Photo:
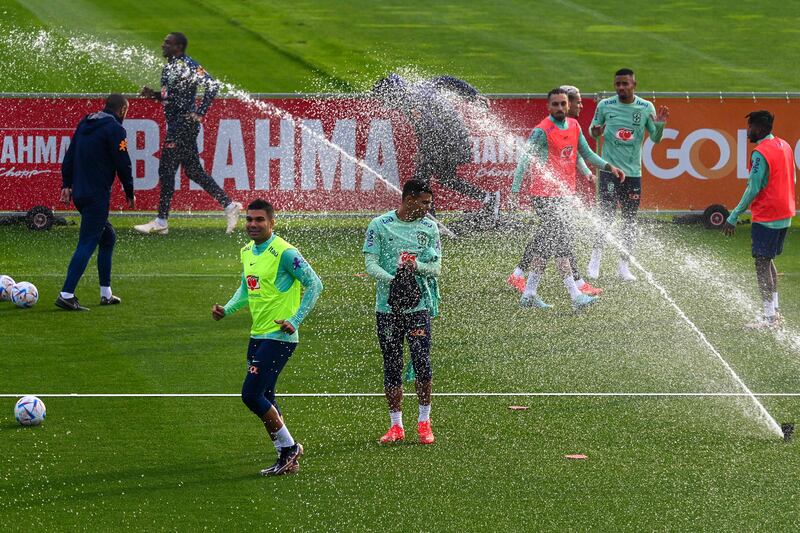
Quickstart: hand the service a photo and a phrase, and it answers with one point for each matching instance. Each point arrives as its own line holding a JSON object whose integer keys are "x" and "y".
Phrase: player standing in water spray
{"x": 770, "y": 196}
{"x": 622, "y": 121}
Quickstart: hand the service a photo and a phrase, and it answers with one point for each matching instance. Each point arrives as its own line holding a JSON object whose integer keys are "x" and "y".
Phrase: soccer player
{"x": 180, "y": 79}
{"x": 274, "y": 277}
{"x": 442, "y": 137}
{"x": 97, "y": 152}
{"x": 517, "y": 277}
{"x": 770, "y": 196}
{"x": 404, "y": 244}
{"x": 622, "y": 122}
{"x": 553, "y": 146}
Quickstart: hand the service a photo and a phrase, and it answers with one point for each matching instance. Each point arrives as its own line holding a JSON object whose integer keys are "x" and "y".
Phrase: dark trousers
{"x": 393, "y": 328}
{"x": 180, "y": 149}
{"x": 95, "y": 231}
{"x": 444, "y": 168}
{"x": 627, "y": 195}
{"x": 265, "y": 360}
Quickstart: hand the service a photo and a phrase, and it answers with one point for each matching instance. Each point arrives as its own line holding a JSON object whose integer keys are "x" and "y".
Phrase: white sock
{"x": 161, "y": 222}
{"x": 67, "y": 295}
{"x": 424, "y": 413}
{"x": 532, "y": 284}
{"x": 518, "y": 273}
{"x": 769, "y": 309}
{"x": 396, "y": 417}
{"x": 572, "y": 289}
{"x": 775, "y": 300}
{"x": 580, "y": 282}
{"x": 283, "y": 438}
{"x": 105, "y": 292}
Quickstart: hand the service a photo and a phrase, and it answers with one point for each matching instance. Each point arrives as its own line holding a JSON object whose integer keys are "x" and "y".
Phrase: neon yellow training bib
{"x": 267, "y": 304}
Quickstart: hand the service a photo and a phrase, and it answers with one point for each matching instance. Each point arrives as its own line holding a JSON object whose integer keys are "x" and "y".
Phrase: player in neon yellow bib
{"x": 273, "y": 279}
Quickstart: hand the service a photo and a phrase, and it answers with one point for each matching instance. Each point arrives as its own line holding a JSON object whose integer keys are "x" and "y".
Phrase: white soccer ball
{"x": 6, "y": 282}
{"x": 29, "y": 411}
{"x": 24, "y": 294}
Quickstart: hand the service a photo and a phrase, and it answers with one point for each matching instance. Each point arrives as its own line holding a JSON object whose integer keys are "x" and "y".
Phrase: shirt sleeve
{"x": 536, "y": 149}
{"x": 374, "y": 268}
{"x": 756, "y": 181}
{"x": 67, "y": 165}
{"x": 210, "y": 88}
{"x": 588, "y": 154}
{"x": 654, "y": 128}
{"x": 293, "y": 264}
{"x": 599, "y": 118}
{"x": 582, "y": 168}
{"x": 238, "y": 300}
{"x": 122, "y": 160}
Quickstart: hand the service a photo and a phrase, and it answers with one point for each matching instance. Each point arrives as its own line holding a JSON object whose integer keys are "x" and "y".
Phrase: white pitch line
{"x": 442, "y": 394}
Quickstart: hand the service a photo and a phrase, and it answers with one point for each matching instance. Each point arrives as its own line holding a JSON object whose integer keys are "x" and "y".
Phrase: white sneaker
{"x": 152, "y": 227}
{"x": 232, "y": 212}
{"x": 625, "y": 273}
{"x": 593, "y": 269}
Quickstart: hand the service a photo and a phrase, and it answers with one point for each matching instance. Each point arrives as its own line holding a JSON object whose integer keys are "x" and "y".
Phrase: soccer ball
{"x": 29, "y": 411}
{"x": 6, "y": 282}
{"x": 24, "y": 294}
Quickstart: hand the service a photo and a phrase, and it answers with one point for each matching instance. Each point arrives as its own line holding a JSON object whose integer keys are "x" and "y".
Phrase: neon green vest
{"x": 268, "y": 304}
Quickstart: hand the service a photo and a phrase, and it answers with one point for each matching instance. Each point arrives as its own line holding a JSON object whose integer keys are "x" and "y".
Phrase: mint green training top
{"x": 292, "y": 267}
{"x": 626, "y": 125}
{"x": 756, "y": 181}
{"x": 387, "y": 237}
{"x": 536, "y": 148}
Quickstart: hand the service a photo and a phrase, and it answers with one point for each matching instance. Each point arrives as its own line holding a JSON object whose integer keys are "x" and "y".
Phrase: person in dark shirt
{"x": 180, "y": 80}
{"x": 442, "y": 137}
{"x": 98, "y": 151}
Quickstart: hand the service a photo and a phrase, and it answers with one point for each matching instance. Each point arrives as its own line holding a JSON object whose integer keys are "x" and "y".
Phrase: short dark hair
{"x": 415, "y": 188}
{"x": 180, "y": 39}
{"x": 557, "y": 90}
{"x": 115, "y": 102}
{"x": 761, "y": 118}
{"x": 625, "y": 72}
{"x": 262, "y": 205}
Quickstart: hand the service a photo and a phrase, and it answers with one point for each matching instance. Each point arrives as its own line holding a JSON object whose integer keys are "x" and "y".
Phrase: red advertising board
{"x": 345, "y": 154}
{"x": 300, "y": 153}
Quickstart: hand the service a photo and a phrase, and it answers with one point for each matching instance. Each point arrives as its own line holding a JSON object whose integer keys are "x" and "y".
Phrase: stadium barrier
{"x": 251, "y": 152}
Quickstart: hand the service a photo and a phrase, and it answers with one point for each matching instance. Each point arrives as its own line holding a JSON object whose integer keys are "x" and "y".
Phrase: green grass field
{"x": 654, "y": 462}
{"x": 507, "y": 46}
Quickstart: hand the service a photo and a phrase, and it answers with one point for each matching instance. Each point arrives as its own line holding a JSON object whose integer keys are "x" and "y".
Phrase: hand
{"x": 598, "y": 130}
{"x": 217, "y": 312}
{"x": 617, "y": 172}
{"x": 131, "y": 202}
{"x": 147, "y": 92}
{"x": 590, "y": 177}
{"x": 663, "y": 114}
{"x": 728, "y": 229}
{"x": 66, "y": 195}
{"x": 286, "y": 326}
{"x": 197, "y": 118}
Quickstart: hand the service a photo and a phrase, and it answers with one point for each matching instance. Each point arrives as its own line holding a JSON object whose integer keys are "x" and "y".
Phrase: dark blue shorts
{"x": 767, "y": 242}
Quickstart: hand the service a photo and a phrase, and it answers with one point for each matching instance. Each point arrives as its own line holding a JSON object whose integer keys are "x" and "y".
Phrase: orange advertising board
{"x": 704, "y": 154}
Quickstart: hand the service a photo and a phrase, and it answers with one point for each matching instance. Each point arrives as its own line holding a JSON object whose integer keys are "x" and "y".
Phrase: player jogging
{"x": 622, "y": 122}
{"x": 770, "y": 196}
{"x": 273, "y": 279}
{"x": 402, "y": 252}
